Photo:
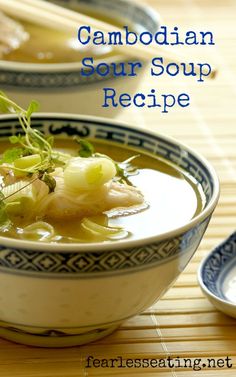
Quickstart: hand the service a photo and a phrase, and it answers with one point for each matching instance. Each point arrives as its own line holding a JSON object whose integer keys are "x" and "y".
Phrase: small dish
{"x": 217, "y": 276}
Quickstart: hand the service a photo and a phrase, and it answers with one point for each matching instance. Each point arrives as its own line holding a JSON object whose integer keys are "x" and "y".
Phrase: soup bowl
{"x": 58, "y": 294}
{"x": 60, "y": 87}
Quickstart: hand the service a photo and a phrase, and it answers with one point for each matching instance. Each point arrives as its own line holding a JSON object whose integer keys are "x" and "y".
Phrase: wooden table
{"x": 183, "y": 323}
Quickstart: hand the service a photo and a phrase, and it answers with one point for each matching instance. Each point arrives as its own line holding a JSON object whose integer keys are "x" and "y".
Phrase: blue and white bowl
{"x": 61, "y": 87}
{"x": 217, "y": 276}
{"x": 69, "y": 294}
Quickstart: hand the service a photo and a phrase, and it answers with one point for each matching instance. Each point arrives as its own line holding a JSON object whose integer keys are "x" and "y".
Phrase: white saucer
{"x": 217, "y": 276}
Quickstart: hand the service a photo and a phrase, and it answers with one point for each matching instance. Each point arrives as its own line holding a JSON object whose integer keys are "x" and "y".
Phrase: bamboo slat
{"x": 183, "y": 323}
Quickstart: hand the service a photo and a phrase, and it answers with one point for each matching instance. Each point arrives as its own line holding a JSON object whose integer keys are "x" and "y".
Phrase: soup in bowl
{"x": 48, "y": 64}
{"x": 101, "y": 236}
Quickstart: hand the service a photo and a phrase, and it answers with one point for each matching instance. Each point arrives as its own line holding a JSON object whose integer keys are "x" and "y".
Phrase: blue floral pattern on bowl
{"x": 217, "y": 265}
{"x": 217, "y": 276}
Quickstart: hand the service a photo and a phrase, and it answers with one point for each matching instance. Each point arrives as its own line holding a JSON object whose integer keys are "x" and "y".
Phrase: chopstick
{"x": 56, "y": 17}
{"x": 34, "y": 14}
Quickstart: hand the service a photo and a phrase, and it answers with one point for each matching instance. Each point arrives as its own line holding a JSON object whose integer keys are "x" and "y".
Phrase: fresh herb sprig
{"x": 86, "y": 149}
{"x": 32, "y": 142}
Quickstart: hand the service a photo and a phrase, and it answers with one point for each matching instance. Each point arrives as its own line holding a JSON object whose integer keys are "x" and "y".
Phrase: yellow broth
{"x": 173, "y": 198}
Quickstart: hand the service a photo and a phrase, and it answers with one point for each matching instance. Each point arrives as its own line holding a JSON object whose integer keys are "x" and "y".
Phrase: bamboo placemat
{"x": 183, "y": 323}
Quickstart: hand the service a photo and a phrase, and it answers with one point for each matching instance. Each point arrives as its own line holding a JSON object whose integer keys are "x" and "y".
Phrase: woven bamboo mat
{"x": 183, "y": 323}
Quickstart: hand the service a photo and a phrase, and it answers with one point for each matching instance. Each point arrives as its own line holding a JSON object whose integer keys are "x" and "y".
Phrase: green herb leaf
{"x": 10, "y": 155}
{"x": 15, "y": 139}
{"x": 120, "y": 172}
{"x": 121, "y": 175}
{"x": 49, "y": 181}
{"x": 50, "y": 140}
{"x": 86, "y": 148}
{"x": 33, "y": 107}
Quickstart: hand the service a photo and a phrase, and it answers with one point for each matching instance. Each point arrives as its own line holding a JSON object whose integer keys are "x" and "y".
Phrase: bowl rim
{"x": 21, "y": 67}
{"x": 203, "y": 286}
{"x": 120, "y": 244}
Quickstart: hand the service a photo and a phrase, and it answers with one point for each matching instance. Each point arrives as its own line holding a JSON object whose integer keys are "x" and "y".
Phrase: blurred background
{"x": 183, "y": 323}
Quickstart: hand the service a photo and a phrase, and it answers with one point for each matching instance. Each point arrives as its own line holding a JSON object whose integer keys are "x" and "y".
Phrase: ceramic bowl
{"x": 217, "y": 276}
{"x": 61, "y": 87}
{"x": 69, "y": 294}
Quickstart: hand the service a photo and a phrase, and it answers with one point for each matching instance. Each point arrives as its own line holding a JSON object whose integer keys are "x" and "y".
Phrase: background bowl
{"x": 60, "y": 87}
{"x": 69, "y": 294}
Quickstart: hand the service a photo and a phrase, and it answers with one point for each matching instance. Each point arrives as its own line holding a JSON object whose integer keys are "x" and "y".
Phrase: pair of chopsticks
{"x": 53, "y": 16}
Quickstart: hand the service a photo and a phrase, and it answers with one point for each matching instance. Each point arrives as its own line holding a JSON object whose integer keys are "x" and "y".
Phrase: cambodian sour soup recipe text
{"x": 159, "y": 66}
